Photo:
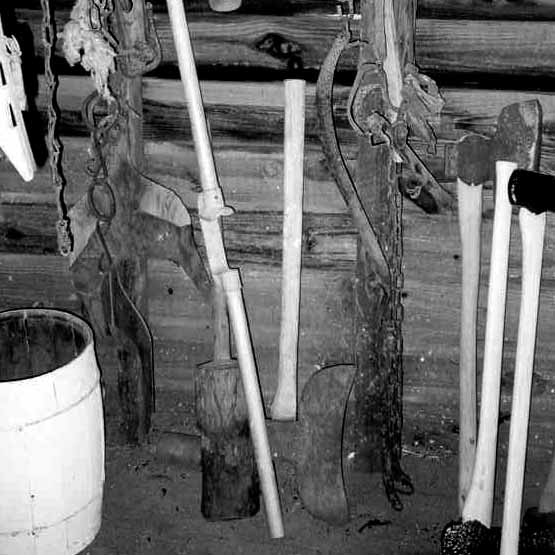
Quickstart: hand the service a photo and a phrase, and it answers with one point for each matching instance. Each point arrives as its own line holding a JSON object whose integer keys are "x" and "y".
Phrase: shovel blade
{"x": 320, "y": 465}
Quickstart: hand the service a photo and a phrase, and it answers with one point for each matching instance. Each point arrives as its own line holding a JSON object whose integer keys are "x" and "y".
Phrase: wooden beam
{"x": 454, "y": 46}
{"x": 444, "y": 9}
{"x": 248, "y": 113}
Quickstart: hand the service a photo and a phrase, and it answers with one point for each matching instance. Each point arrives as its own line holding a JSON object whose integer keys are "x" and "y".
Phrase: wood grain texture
{"x": 253, "y": 112}
{"x": 456, "y": 45}
{"x": 181, "y": 321}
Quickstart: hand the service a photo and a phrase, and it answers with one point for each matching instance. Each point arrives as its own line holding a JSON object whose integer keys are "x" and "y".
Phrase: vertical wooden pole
{"x": 129, "y": 28}
{"x": 378, "y": 314}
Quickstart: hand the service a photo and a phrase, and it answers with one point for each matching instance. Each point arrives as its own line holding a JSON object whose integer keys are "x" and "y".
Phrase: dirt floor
{"x": 152, "y": 507}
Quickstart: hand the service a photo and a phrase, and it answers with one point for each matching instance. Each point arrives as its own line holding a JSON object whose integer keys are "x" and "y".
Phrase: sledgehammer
{"x": 535, "y": 194}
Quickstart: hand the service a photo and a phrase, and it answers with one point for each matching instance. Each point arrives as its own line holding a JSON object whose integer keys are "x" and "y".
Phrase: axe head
{"x": 474, "y": 159}
{"x": 518, "y": 135}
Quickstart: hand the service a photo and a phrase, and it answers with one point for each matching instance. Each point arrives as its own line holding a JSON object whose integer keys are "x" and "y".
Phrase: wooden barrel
{"x": 51, "y": 434}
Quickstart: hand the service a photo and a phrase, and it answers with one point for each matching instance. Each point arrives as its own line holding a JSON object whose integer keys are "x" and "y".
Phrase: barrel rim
{"x": 79, "y": 323}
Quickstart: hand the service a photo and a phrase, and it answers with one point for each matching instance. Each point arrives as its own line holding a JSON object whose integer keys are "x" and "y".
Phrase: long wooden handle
{"x": 210, "y": 208}
{"x": 532, "y": 229}
{"x": 222, "y": 350}
{"x": 479, "y": 502}
{"x": 284, "y": 406}
{"x": 470, "y": 220}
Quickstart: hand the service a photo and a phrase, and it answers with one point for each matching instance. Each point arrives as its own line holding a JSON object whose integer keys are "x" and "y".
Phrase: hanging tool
{"x": 284, "y": 406}
{"x": 211, "y": 208}
{"x": 13, "y": 135}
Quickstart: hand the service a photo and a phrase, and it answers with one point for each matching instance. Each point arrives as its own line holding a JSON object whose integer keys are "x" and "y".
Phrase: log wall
{"x": 483, "y": 55}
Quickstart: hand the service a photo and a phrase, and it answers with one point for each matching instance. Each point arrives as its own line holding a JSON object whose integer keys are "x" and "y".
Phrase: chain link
{"x": 63, "y": 230}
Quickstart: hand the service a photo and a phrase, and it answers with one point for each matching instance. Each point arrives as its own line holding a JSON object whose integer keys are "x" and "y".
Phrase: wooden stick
{"x": 211, "y": 207}
{"x": 470, "y": 220}
{"x": 532, "y": 227}
{"x": 479, "y": 503}
{"x": 284, "y": 406}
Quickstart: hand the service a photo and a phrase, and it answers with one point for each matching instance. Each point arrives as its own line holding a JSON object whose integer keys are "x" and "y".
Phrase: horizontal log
{"x": 443, "y": 47}
{"x": 536, "y": 10}
{"x": 181, "y": 322}
{"x": 254, "y": 111}
{"x": 447, "y": 9}
{"x": 249, "y": 116}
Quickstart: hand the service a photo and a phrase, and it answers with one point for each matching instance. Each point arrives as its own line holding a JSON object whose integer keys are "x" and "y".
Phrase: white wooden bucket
{"x": 51, "y": 434}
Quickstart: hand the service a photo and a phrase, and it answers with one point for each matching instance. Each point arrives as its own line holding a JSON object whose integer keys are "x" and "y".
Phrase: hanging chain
{"x": 63, "y": 231}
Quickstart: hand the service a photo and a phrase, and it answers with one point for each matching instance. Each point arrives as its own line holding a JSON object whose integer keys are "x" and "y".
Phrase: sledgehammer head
{"x": 518, "y": 135}
{"x": 532, "y": 190}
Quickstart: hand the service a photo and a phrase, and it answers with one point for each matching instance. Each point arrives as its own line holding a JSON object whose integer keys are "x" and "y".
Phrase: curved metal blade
{"x": 320, "y": 465}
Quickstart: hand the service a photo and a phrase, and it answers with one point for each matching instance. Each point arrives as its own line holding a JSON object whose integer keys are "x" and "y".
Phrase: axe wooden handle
{"x": 470, "y": 219}
{"x": 532, "y": 229}
{"x": 284, "y": 406}
{"x": 479, "y": 502}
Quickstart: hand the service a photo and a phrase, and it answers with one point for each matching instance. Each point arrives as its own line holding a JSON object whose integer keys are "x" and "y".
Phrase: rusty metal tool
{"x": 320, "y": 465}
{"x": 473, "y": 164}
{"x": 516, "y": 144}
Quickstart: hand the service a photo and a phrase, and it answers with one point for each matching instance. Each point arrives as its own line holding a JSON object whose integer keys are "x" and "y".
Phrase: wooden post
{"x": 129, "y": 28}
{"x": 378, "y": 310}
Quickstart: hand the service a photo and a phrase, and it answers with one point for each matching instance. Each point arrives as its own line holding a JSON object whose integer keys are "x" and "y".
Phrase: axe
{"x": 473, "y": 170}
{"x": 515, "y": 144}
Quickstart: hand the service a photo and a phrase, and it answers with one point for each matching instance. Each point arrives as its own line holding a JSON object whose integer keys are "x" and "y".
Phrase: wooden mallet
{"x": 284, "y": 406}
{"x": 211, "y": 208}
{"x": 473, "y": 170}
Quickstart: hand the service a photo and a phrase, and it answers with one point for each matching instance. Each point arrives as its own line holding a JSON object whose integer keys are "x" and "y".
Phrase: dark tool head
{"x": 469, "y": 538}
{"x": 532, "y": 190}
{"x": 537, "y": 535}
{"x": 518, "y": 135}
{"x": 474, "y": 159}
